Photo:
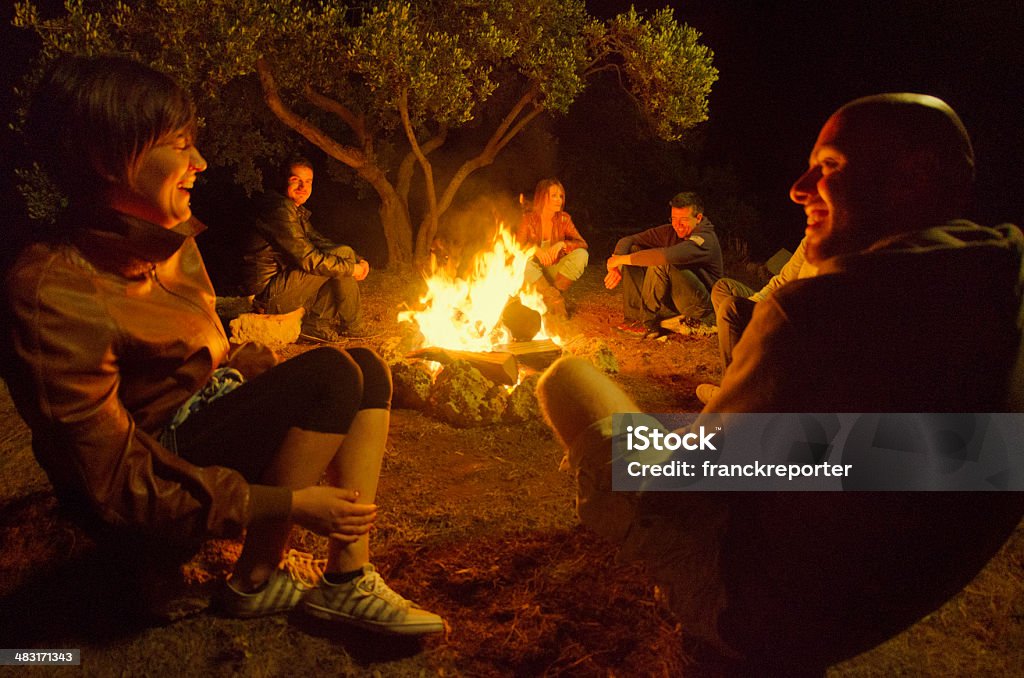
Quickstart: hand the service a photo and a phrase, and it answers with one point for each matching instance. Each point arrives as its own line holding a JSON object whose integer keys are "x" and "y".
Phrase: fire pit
{"x": 480, "y": 336}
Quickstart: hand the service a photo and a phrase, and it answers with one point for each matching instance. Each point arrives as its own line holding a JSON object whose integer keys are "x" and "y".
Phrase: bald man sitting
{"x": 788, "y": 583}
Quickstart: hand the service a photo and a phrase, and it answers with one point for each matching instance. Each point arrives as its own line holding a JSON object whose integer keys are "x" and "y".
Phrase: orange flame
{"x": 465, "y": 313}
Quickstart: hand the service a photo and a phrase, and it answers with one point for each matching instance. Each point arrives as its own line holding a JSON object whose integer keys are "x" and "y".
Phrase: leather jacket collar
{"x": 128, "y": 245}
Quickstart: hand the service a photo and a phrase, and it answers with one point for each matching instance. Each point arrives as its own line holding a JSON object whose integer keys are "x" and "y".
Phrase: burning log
{"x": 499, "y": 367}
{"x": 537, "y": 354}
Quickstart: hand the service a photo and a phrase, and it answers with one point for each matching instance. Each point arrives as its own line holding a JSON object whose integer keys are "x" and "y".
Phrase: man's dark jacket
{"x": 284, "y": 238}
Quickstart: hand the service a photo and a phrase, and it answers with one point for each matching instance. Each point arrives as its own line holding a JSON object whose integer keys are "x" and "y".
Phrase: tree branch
{"x": 505, "y": 132}
{"x": 591, "y": 70}
{"x": 529, "y": 97}
{"x": 405, "y": 170}
{"x": 618, "y": 74}
{"x": 353, "y": 157}
{"x": 428, "y": 171}
{"x": 356, "y": 122}
{"x": 519, "y": 127}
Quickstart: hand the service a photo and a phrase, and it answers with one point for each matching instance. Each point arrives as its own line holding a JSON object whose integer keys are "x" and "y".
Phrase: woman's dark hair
{"x": 93, "y": 118}
{"x": 540, "y": 193}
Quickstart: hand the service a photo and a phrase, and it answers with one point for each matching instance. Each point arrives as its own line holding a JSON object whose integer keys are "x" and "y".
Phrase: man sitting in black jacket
{"x": 290, "y": 265}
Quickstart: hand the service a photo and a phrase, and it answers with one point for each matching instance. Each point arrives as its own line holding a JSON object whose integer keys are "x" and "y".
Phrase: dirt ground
{"x": 477, "y": 525}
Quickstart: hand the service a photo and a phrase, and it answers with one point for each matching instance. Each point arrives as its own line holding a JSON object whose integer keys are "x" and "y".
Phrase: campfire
{"x": 465, "y": 313}
{"x": 481, "y": 322}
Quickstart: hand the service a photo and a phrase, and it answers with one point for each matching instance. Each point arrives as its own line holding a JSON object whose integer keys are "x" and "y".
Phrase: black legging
{"x": 320, "y": 390}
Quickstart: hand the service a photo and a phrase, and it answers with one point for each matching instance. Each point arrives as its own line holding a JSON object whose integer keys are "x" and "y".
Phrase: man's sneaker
{"x": 680, "y": 324}
{"x": 357, "y": 331}
{"x": 321, "y": 335}
{"x": 705, "y": 392}
{"x": 635, "y": 327}
{"x": 653, "y": 330}
{"x": 368, "y": 602}
{"x": 297, "y": 574}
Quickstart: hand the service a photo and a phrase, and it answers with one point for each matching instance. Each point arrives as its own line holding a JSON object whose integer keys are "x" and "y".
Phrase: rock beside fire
{"x": 463, "y": 397}
{"x": 412, "y": 384}
{"x": 394, "y": 349}
{"x": 597, "y": 352}
{"x": 273, "y": 330}
{"x": 522, "y": 402}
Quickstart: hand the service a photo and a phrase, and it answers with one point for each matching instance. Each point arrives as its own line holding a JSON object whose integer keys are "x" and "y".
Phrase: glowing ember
{"x": 465, "y": 313}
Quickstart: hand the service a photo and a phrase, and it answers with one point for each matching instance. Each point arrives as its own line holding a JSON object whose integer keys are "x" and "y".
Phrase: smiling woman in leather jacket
{"x": 120, "y": 366}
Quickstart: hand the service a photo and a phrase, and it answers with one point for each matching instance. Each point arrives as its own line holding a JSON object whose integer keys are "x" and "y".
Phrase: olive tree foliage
{"x": 381, "y": 85}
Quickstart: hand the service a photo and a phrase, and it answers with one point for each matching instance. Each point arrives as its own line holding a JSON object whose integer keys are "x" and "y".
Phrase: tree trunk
{"x": 424, "y": 239}
{"x": 394, "y": 219}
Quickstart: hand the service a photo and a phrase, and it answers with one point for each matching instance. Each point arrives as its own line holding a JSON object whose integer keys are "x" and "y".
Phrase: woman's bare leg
{"x": 301, "y": 462}
{"x": 356, "y": 466}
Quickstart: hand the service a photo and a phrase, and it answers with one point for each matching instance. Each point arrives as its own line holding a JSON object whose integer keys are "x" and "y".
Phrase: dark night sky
{"x": 785, "y": 66}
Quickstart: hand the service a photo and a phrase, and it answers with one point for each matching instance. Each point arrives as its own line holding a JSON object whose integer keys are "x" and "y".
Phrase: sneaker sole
{"x": 227, "y": 607}
{"x": 311, "y": 339}
{"x": 236, "y": 614}
{"x": 415, "y": 629}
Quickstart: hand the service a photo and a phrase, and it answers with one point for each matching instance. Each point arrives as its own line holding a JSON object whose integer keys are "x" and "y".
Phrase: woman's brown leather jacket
{"x": 529, "y": 232}
{"x": 110, "y": 333}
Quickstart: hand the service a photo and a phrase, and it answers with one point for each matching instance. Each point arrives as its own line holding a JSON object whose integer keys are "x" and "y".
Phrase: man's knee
{"x": 561, "y": 391}
{"x": 727, "y": 309}
{"x": 344, "y": 251}
{"x": 721, "y": 292}
{"x": 573, "y": 394}
{"x": 655, "y": 274}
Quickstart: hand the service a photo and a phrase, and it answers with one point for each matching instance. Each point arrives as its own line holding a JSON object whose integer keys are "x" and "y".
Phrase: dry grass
{"x": 477, "y": 525}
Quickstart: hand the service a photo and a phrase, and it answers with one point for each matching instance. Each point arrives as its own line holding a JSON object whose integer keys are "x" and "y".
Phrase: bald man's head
{"x": 913, "y": 125}
{"x": 882, "y": 165}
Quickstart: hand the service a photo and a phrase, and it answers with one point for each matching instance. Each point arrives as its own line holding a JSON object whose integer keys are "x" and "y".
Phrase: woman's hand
{"x": 332, "y": 512}
{"x": 361, "y": 270}
{"x": 549, "y": 255}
